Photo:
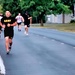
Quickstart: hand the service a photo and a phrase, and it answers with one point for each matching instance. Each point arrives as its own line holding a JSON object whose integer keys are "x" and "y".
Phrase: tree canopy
{"x": 37, "y": 7}
{"x": 70, "y": 3}
{"x": 11, "y": 5}
{"x": 43, "y": 7}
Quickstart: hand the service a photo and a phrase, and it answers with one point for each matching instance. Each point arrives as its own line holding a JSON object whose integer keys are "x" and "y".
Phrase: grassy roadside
{"x": 62, "y": 27}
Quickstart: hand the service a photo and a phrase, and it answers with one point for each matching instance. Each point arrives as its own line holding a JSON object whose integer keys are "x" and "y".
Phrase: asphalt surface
{"x": 42, "y": 52}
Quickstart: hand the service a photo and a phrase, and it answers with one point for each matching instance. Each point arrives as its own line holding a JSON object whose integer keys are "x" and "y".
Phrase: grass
{"x": 63, "y": 27}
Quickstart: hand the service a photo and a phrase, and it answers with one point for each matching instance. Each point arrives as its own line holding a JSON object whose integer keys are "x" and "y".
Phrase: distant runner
{"x": 27, "y": 18}
{"x": 8, "y": 22}
{"x": 19, "y": 19}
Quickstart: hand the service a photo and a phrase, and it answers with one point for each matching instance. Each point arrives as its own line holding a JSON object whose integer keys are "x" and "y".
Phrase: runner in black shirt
{"x": 27, "y": 18}
{"x": 8, "y": 23}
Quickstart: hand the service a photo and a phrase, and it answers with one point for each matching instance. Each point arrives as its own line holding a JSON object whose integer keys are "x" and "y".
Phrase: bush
{"x": 72, "y": 21}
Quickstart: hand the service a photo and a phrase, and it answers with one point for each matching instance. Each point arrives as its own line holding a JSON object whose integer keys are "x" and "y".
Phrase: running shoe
{"x": 25, "y": 32}
{"x": 19, "y": 29}
{"x": 7, "y": 52}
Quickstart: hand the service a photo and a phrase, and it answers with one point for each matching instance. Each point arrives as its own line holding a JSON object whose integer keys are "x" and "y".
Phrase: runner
{"x": 0, "y": 21}
{"x": 8, "y": 23}
{"x": 19, "y": 21}
{"x": 26, "y": 22}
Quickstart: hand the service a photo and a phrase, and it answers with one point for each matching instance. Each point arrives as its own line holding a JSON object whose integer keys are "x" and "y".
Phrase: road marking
{"x": 62, "y": 43}
{"x": 2, "y": 67}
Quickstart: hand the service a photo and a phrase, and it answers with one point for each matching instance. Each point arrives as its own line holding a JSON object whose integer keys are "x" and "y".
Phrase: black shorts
{"x": 0, "y": 28}
{"x": 8, "y": 33}
{"x": 27, "y": 24}
{"x": 19, "y": 23}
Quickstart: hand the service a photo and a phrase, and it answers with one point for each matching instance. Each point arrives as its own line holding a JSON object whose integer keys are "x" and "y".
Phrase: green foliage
{"x": 36, "y": 7}
{"x": 43, "y": 7}
{"x": 1, "y": 9}
{"x": 70, "y": 3}
{"x": 72, "y": 21}
{"x": 12, "y": 6}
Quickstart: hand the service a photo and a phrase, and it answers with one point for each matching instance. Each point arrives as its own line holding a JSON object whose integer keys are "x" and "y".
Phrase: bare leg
{"x": 20, "y": 27}
{"x": 10, "y": 41}
{"x": 0, "y": 33}
{"x": 7, "y": 43}
{"x": 26, "y": 29}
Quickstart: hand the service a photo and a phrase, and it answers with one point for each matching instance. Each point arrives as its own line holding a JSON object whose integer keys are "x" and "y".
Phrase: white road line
{"x": 2, "y": 67}
{"x": 62, "y": 43}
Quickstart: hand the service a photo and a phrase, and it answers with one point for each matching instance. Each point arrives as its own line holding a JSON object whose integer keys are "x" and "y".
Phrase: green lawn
{"x": 62, "y": 27}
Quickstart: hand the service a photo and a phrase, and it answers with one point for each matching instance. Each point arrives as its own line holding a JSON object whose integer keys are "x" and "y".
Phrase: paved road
{"x": 43, "y": 52}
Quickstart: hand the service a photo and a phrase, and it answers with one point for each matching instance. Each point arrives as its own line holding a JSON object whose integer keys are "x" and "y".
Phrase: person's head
{"x": 26, "y": 12}
{"x": 7, "y": 14}
{"x": 19, "y": 14}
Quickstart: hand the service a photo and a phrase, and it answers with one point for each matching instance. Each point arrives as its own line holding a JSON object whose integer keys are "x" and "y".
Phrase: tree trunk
{"x": 41, "y": 22}
{"x": 63, "y": 16}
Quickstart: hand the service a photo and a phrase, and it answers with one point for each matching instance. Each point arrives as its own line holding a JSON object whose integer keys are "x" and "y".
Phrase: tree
{"x": 12, "y": 6}
{"x": 43, "y": 7}
{"x": 1, "y": 3}
{"x": 69, "y": 3}
{"x": 1, "y": 9}
{"x": 37, "y": 8}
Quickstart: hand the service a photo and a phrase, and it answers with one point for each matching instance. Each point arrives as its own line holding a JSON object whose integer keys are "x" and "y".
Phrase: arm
{"x": 30, "y": 18}
{"x": 22, "y": 19}
{"x": 3, "y": 26}
{"x": 14, "y": 24}
{"x": 0, "y": 24}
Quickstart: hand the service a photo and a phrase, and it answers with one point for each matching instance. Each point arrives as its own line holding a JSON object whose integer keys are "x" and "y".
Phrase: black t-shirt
{"x": 26, "y": 18}
{"x": 8, "y": 20}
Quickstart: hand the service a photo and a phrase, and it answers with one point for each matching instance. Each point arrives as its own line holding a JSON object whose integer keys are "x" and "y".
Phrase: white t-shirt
{"x": 1, "y": 18}
{"x": 19, "y": 19}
